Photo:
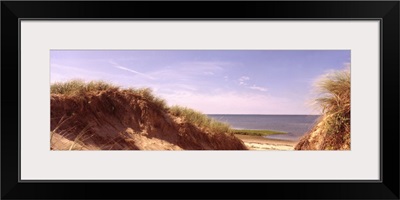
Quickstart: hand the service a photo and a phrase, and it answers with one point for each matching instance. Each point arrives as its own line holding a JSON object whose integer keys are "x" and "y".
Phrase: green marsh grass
{"x": 256, "y": 132}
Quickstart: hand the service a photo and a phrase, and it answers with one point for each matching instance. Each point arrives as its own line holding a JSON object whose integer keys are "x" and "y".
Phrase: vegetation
{"x": 79, "y": 87}
{"x": 256, "y": 132}
{"x": 205, "y": 122}
{"x": 332, "y": 132}
{"x": 88, "y": 100}
{"x": 147, "y": 94}
{"x": 199, "y": 119}
{"x": 334, "y": 89}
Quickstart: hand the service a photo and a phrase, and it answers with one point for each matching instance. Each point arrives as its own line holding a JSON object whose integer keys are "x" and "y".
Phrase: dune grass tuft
{"x": 199, "y": 119}
{"x": 147, "y": 94}
{"x": 332, "y": 131}
{"x": 334, "y": 99}
{"x": 79, "y": 87}
{"x": 76, "y": 87}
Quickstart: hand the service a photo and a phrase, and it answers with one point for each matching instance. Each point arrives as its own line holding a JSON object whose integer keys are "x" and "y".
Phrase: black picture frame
{"x": 385, "y": 11}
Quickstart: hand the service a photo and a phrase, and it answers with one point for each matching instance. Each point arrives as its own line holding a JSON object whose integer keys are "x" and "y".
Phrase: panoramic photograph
{"x": 200, "y": 100}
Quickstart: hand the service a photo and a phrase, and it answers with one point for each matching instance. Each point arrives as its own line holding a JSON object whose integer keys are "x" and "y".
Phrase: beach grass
{"x": 332, "y": 131}
{"x": 80, "y": 88}
{"x": 199, "y": 119}
{"x": 77, "y": 87}
{"x": 255, "y": 132}
{"x": 334, "y": 99}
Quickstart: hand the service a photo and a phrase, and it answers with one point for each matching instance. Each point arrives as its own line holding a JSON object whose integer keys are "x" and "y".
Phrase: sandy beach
{"x": 261, "y": 143}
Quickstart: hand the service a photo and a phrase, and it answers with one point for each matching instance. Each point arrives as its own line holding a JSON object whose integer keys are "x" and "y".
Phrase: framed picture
{"x": 113, "y": 96}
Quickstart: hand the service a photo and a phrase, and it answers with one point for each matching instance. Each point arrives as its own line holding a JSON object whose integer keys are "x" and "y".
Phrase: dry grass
{"x": 80, "y": 88}
{"x": 80, "y": 91}
{"x": 79, "y": 139}
{"x": 147, "y": 94}
{"x": 332, "y": 132}
{"x": 334, "y": 100}
{"x": 199, "y": 119}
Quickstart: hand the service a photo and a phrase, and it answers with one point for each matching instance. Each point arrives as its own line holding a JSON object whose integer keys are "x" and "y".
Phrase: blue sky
{"x": 211, "y": 81}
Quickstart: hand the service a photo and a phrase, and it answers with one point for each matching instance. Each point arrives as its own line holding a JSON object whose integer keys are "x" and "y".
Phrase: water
{"x": 295, "y": 125}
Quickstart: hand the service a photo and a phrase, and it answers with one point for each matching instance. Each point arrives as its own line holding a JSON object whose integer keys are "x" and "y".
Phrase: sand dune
{"x": 115, "y": 119}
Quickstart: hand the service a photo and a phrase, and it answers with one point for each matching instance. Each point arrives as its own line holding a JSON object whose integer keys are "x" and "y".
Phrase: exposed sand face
{"x": 119, "y": 120}
{"x": 261, "y": 143}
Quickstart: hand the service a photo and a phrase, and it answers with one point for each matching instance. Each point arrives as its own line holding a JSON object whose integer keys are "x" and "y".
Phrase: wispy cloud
{"x": 116, "y": 65}
{"x": 243, "y": 80}
{"x": 133, "y": 71}
{"x": 200, "y": 68}
{"x": 60, "y": 72}
{"x": 208, "y": 73}
{"x": 262, "y": 89}
{"x": 112, "y": 62}
{"x": 234, "y": 103}
{"x": 189, "y": 71}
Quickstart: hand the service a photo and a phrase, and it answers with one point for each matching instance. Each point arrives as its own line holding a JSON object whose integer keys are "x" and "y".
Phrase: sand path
{"x": 261, "y": 143}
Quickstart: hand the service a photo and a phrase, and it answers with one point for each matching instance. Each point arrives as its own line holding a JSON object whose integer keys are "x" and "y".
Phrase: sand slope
{"x": 119, "y": 120}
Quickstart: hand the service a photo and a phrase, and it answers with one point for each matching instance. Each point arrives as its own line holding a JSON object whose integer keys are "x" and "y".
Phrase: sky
{"x": 210, "y": 81}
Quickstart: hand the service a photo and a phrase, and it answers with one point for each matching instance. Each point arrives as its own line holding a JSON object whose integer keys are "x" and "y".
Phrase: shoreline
{"x": 262, "y": 143}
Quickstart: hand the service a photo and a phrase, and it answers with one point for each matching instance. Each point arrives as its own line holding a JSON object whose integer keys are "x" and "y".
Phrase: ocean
{"x": 295, "y": 125}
